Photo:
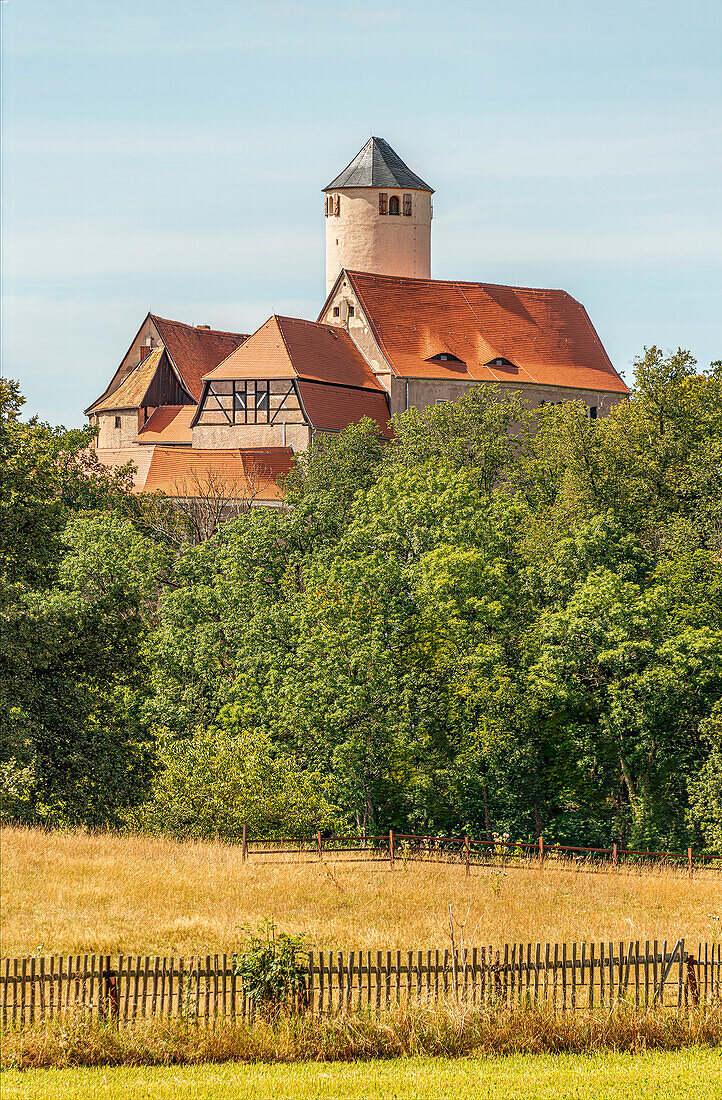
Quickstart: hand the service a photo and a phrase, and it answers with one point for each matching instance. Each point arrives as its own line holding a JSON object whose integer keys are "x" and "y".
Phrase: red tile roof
{"x": 184, "y": 471}
{"x": 333, "y": 408}
{"x": 168, "y": 424}
{"x": 287, "y": 347}
{"x": 195, "y": 351}
{"x": 132, "y": 389}
{"x": 546, "y": 334}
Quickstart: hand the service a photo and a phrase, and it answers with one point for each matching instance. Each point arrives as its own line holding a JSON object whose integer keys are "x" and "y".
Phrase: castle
{"x": 190, "y": 402}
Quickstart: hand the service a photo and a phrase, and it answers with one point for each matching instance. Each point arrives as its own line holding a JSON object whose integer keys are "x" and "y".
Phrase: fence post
{"x": 244, "y": 850}
{"x": 110, "y": 999}
{"x": 689, "y": 860}
{"x": 466, "y": 853}
{"x": 318, "y": 839}
{"x": 391, "y": 848}
{"x": 614, "y": 854}
{"x": 541, "y": 850}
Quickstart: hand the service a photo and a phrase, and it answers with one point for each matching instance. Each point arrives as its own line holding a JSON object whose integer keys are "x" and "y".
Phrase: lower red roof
{"x": 168, "y": 424}
{"x": 333, "y": 408}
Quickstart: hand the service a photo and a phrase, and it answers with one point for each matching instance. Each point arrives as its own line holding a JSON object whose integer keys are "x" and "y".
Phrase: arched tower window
{"x": 394, "y": 205}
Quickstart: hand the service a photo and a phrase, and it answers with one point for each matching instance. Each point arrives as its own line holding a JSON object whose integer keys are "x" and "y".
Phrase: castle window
{"x": 407, "y": 206}
{"x": 394, "y": 205}
{"x": 593, "y": 412}
{"x": 337, "y": 205}
{"x": 383, "y": 203}
{"x": 337, "y": 311}
{"x": 117, "y": 421}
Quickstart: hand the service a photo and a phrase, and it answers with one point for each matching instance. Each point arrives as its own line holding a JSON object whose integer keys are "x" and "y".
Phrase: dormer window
{"x": 449, "y": 360}
{"x": 383, "y": 203}
{"x": 394, "y": 205}
{"x": 501, "y": 362}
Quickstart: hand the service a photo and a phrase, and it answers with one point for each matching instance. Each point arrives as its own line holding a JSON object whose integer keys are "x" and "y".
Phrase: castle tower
{"x": 378, "y": 217}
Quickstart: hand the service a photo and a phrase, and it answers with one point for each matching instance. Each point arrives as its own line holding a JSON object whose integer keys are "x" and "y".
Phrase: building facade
{"x": 188, "y": 402}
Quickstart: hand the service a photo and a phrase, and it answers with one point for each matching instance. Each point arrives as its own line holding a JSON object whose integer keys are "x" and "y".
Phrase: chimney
{"x": 206, "y": 328}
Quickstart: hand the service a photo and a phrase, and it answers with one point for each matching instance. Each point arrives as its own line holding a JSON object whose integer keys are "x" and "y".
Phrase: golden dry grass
{"x": 450, "y": 1031}
{"x": 73, "y": 892}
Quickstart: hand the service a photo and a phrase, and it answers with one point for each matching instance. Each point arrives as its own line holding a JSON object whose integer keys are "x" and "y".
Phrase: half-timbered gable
{"x": 290, "y": 379}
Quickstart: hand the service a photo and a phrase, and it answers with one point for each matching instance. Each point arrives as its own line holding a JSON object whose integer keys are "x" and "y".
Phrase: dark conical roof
{"x": 377, "y": 165}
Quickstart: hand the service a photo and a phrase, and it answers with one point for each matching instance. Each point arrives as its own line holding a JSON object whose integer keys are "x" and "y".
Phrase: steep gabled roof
{"x": 195, "y": 351}
{"x": 132, "y": 389}
{"x": 287, "y": 347}
{"x": 377, "y": 165}
{"x": 168, "y": 424}
{"x": 545, "y": 336}
{"x": 191, "y": 353}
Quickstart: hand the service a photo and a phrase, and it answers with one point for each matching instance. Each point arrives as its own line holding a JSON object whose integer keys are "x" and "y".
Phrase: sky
{"x": 170, "y": 154}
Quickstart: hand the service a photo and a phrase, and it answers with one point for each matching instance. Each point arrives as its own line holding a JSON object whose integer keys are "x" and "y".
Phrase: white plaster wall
{"x": 112, "y": 438}
{"x": 424, "y": 392}
{"x": 218, "y": 437}
{"x": 361, "y": 239}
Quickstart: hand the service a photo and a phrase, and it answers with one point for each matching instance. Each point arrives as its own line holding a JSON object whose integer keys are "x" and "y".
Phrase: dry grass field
{"x": 72, "y": 892}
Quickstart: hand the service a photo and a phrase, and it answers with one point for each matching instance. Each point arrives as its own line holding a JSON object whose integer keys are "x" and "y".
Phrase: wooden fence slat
{"x": 569, "y": 976}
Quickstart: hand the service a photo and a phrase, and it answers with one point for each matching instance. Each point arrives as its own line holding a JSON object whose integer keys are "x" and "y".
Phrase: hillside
{"x": 74, "y": 892}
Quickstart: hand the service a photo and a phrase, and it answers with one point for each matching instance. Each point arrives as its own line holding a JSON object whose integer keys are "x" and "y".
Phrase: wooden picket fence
{"x": 393, "y": 850}
{"x": 565, "y": 977}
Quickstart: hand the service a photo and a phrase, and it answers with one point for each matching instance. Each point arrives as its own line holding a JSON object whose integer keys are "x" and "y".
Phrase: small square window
{"x": 351, "y": 311}
{"x": 336, "y": 311}
{"x": 117, "y": 421}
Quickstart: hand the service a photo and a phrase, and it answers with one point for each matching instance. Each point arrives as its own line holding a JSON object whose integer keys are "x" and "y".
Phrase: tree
{"x": 212, "y": 784}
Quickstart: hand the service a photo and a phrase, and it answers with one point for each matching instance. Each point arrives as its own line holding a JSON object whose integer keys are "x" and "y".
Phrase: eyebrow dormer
{"x": 500, "y": 363}
{"x": 451, "y": 362}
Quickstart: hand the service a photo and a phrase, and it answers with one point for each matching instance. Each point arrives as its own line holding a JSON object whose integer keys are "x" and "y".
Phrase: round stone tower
{"x": 378, "y": 217}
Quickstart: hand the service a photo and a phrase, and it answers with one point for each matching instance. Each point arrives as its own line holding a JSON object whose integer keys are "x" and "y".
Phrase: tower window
{"x": 337, "y": 205}
{"x": 383, "y": 203}
{"x": 117, "y": 421}
{"x": 325, "y": 206}
{"x": 407, "y": 206}
{"x": 394, "y": 205}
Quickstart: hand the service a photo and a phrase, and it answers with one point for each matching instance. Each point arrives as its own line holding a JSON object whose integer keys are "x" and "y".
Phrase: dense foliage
{"x": 503, "y": 621}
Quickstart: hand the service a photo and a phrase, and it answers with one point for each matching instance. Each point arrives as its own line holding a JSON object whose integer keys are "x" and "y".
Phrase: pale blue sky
{"x": 169, "y": 154}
